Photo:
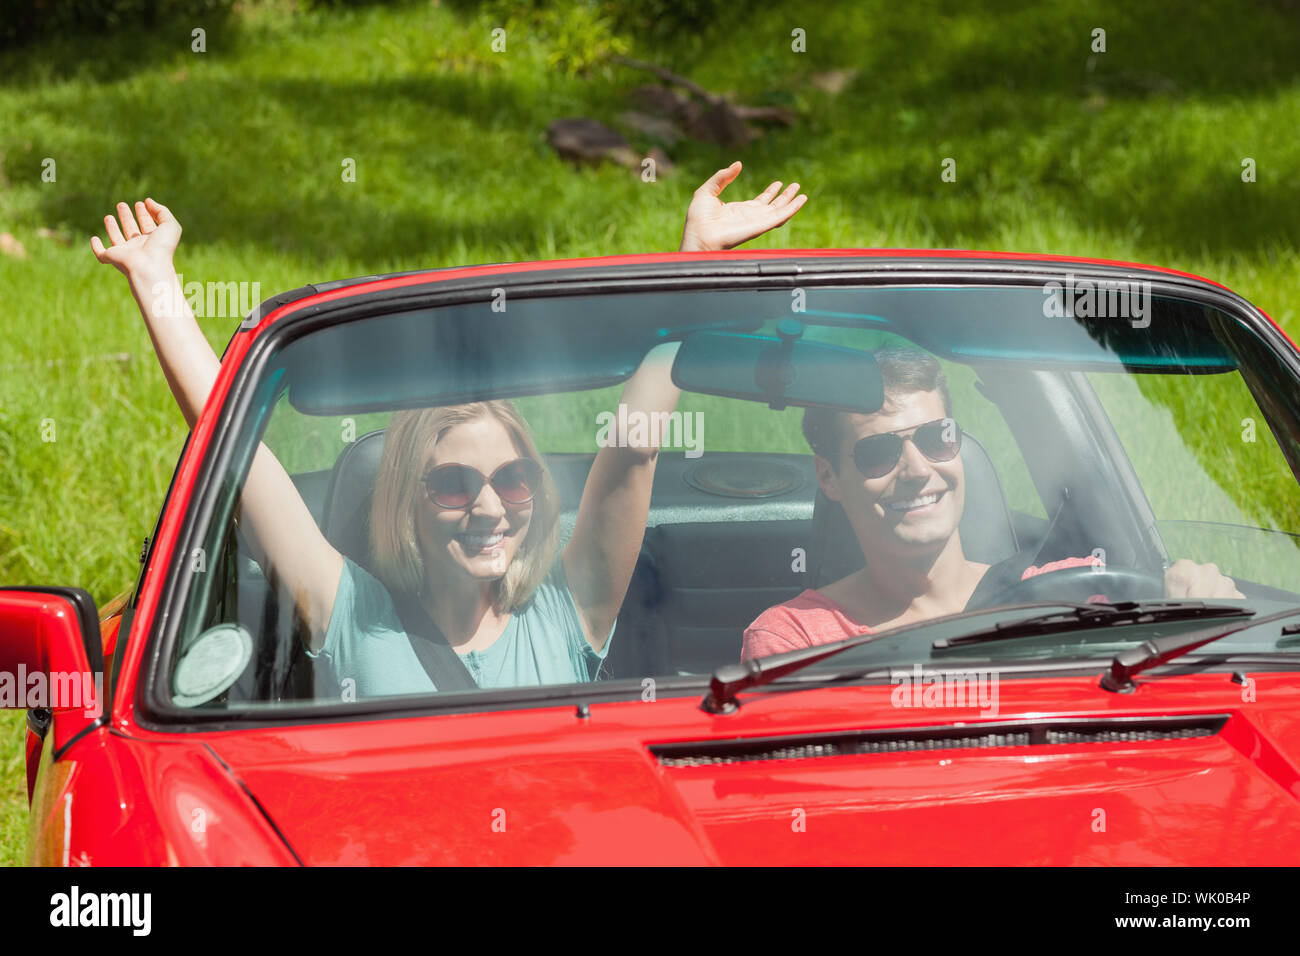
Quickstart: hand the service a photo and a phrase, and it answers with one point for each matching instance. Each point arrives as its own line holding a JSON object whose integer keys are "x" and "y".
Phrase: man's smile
{"x": 918, "y": 504}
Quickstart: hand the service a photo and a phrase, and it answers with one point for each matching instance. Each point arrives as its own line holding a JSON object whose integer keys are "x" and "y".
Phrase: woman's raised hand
{"x": 283, "y": 532}
{"x": 712, "y": 224}
{"x": 144, "y": 244}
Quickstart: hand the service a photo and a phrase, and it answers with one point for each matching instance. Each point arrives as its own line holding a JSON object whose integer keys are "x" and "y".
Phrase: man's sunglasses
{"x": 458, "y": 486}
{"x": 878, "y": 455}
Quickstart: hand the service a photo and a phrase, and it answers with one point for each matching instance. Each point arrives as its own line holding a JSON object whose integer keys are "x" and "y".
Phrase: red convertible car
{"x": 1107, "y": 423}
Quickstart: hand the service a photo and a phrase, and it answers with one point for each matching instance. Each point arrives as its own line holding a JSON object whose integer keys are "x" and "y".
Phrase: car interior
{"x": 730, "y": 534}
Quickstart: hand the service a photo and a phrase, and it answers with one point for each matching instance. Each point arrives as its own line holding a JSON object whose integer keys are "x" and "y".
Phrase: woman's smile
{"x": 479, "y": 543}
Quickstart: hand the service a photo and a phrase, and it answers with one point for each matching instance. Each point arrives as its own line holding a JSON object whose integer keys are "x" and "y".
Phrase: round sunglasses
{"x": 878, "y": 455}
{"x": 458, "y": 486}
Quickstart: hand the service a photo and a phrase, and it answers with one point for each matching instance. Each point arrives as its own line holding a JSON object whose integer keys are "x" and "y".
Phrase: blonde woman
{"x": 463, "y": 519}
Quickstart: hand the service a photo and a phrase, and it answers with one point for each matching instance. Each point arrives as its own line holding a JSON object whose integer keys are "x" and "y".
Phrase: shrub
{"x": 28, "y": 21}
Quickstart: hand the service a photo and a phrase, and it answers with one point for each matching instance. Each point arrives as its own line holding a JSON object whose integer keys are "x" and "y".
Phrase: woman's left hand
{"x": 712, "y": 224}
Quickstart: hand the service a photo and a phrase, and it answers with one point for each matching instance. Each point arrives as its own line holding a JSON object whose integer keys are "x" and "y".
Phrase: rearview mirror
{"x": 780, "y": 371}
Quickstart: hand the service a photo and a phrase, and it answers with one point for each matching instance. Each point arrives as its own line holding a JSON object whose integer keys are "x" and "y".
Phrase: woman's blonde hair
{"x": 399, "y": 490}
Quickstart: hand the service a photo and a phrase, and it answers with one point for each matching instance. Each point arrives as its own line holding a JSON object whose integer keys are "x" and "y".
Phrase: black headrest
{"x": 346, "y": 519}
{"x": 987, "y": 534}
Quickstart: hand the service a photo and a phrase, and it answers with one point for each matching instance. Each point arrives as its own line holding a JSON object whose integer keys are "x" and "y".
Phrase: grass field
{"x": 1132, "y": 154}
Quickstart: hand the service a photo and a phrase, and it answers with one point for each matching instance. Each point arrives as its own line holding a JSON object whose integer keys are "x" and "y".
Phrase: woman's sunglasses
{"x": 877, "y": 455}
{"x": 458, "y": 486}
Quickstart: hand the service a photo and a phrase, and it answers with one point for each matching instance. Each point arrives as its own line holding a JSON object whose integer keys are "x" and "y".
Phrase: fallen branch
{"x": 717, "y": 120}
{"x": 669, "y": 77}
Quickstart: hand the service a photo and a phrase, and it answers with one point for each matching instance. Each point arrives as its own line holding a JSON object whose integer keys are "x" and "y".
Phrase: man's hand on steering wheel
{"x": 1184, "y": 579}
{"x": 1187, "y": 579}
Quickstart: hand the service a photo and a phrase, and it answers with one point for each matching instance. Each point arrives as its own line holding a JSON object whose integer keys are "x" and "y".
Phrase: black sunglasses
{"x": 878, "y": 455}
{"x": 458, "y": 486}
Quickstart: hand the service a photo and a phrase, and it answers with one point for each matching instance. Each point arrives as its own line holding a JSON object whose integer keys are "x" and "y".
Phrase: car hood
{"x": 1185, "y": 771}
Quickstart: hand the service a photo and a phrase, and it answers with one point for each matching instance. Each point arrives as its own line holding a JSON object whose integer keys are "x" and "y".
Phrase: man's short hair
{"x": 901, "y": 370}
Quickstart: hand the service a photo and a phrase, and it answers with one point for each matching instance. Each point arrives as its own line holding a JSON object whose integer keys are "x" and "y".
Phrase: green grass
{"x": 1138, "y": 157}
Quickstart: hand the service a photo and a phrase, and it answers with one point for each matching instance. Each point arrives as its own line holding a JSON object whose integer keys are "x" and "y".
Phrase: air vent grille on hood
{"x": 1108, "y": 730}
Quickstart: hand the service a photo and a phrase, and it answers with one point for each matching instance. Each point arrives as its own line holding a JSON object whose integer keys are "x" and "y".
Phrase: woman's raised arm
{"x": 271, "y": 511}
{"x": 602, "y": 554}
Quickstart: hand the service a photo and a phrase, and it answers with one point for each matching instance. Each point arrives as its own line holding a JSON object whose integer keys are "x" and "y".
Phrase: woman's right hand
{"x": 140, "y": 249}
{"x": 282, "y": 530}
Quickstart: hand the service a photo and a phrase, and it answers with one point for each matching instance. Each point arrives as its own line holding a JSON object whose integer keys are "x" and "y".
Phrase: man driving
{"x": 898, "y": 475}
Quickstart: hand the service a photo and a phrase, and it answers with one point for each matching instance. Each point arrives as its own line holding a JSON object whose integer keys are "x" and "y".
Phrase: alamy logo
{"x": 638, "y": 429}
{"x": 102, "y": 909}
{"x": 214, "y": 300}
{"x": 963, "y": 689}
{"x": 1098, "y": 298}
{"x": 57, "y": 690}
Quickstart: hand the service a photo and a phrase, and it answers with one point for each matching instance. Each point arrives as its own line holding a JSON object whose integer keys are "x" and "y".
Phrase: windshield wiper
{"x": 730, "y": 679}
{"x": 1086, "y": 616}
{"x": 1153, "y": 653}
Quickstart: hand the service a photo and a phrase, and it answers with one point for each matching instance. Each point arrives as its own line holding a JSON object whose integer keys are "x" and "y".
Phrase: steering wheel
{"x": 1076, "y": 585}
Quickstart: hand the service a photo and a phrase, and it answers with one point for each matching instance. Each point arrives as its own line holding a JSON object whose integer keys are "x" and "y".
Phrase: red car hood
{"x": 544, "y": 786}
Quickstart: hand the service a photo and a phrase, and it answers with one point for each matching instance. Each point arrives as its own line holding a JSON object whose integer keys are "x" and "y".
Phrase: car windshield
{"x": 509, "y": 494}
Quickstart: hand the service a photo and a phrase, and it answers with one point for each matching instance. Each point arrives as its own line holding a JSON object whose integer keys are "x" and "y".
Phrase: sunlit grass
{"x": 1136, "y": 156}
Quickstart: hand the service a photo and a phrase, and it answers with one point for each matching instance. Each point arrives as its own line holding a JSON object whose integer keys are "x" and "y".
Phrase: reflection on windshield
{"x": 653, "y": 485}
